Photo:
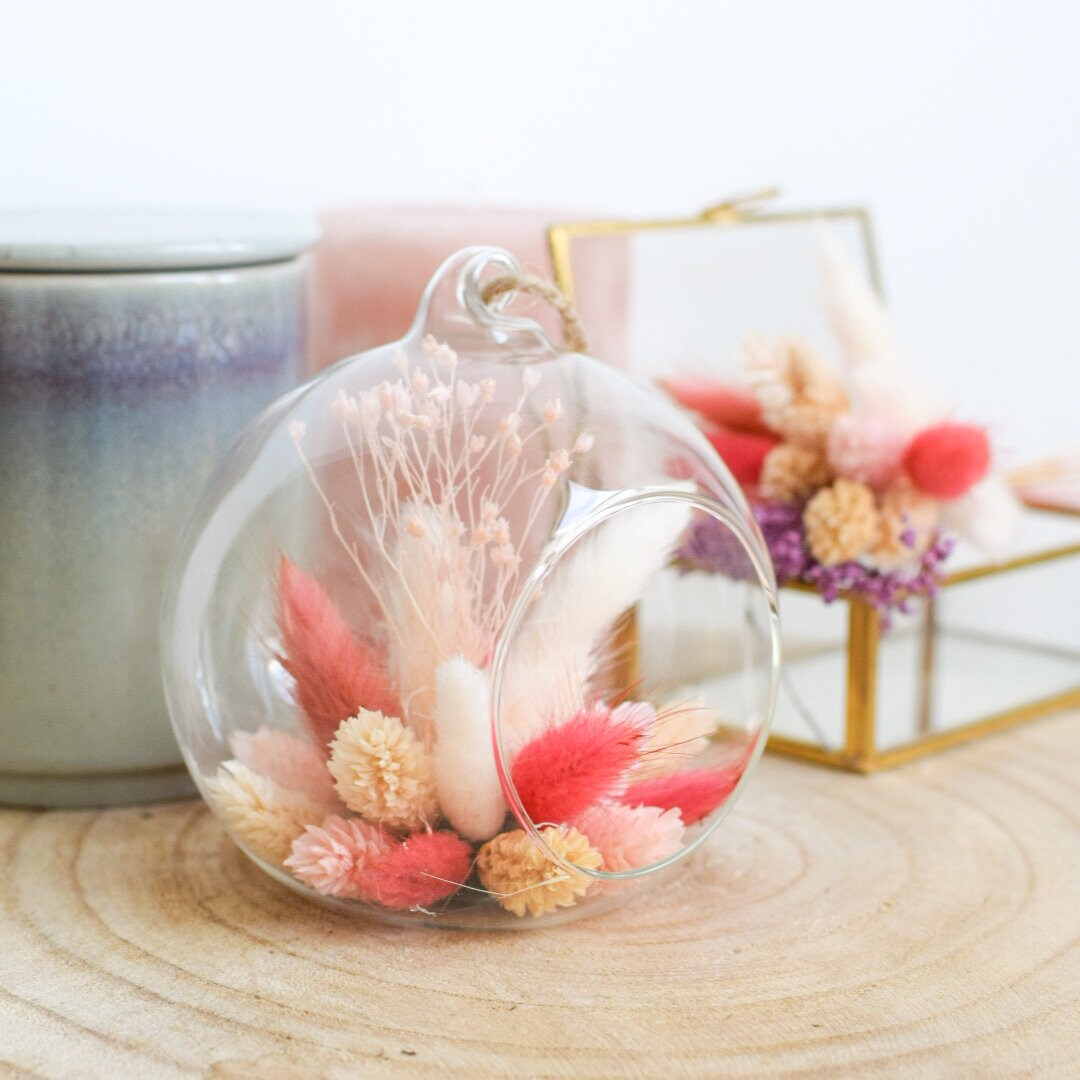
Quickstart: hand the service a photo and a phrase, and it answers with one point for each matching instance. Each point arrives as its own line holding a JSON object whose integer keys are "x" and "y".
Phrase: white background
{"x": 955, "y": 123}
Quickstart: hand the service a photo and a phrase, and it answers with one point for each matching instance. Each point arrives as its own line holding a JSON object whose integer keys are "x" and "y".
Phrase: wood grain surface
{"x": 920, "y": 923}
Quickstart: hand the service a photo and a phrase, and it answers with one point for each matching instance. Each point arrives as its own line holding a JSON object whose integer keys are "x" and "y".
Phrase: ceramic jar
{"x": 133, "y": 346}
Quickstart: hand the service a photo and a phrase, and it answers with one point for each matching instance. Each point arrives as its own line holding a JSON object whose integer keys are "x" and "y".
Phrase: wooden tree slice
{"x": 924, "y": 922}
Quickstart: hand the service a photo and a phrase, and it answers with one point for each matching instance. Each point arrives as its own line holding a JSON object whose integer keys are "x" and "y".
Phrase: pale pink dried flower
{"x": 420, "y": 382}
{"x": 631, "y": 838}
{"x": 290, "y": 761}
{"x": 509, "y": 424}
{"x": 866, "y": 447}
{"x": 331, "y": 857}
{"x": 487, "y": 391}
{"x": 514, "y": 445}
{"x": 584, "y": 443}
{"x": 467, "y": 393}
{"x": 505, "y": 555}
{"x": 477, "y": 443}
{"x": 559, "y": 461}
{"x": 415, "y": 527}
{"x": 553, "y": 411}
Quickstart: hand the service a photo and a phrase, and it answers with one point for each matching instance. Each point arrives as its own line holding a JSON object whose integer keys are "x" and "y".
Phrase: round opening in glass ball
{"x": 433, "y": 645}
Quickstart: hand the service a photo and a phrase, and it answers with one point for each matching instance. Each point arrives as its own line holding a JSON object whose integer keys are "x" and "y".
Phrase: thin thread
{"x": 573, "y": 332}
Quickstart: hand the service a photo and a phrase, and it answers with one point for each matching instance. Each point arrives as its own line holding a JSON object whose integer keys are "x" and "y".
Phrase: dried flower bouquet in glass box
{"x": 395, "y": 643}
{"x": 873, "y": 491}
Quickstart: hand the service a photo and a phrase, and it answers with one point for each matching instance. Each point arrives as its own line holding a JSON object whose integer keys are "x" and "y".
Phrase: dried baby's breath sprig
{"x": 455, "y": 477}
{"x": 517, "y": 871}
{"x": 265, "y": 816}
{"x": 382, "y": 772}
{"x": 841, "y": 522}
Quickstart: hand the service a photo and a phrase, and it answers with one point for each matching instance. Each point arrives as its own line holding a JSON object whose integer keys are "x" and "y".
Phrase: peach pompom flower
{"x": 331, "y": 857}
{"x": 517, "y": 871}
{"x": 382, "y": 772}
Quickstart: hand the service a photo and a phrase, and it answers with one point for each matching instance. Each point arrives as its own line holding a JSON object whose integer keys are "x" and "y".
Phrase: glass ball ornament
{"x": 431, "y": 644}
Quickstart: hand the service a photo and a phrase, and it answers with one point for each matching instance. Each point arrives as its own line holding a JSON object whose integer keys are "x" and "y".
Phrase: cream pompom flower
{"x": 792, "y": 473}
{"x": 798, "y": 389}
{"x": 382, "y": 772}
{"x": 517, "y": 871}
{"x": 265, "y": 816}
{"x": 841, "y": 522}
{"x": 632, "y": 837}
{"x": 331, "y": 857}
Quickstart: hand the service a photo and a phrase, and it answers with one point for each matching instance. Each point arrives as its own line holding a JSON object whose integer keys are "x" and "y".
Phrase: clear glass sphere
{"x": 431, "y": 646}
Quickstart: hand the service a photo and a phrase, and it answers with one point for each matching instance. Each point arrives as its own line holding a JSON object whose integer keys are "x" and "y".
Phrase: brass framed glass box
{"x": 994, "y": 648}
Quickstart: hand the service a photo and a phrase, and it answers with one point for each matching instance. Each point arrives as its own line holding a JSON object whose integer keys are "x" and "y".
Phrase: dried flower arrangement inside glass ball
{"x": 424, "y": 641}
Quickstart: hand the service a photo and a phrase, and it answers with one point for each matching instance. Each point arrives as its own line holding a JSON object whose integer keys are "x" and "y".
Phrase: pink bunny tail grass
{"x": 568, "y": 768}
{"x": 418, "y": 872}
{"x": 728, "y": 406}
{"x": 335, "y": 674}
{"x": 631, "y": 837}
{"x": 331, "y": 857}
{"x": 744, "y": 452}
{"x": 694, "y": 794}
{"x": 291, "y": 762}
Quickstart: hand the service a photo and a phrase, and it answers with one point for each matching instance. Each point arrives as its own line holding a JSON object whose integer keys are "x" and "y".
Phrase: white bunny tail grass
{"x": 466, "y": 779}
{"x": 881, "y": 373}
{"x": 988, "y": 516}
{"x": 603, "y": 576}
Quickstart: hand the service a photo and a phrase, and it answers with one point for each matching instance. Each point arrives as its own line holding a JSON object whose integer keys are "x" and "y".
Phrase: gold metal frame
{"x": 860, "y": 752}
{"x": 743, "y": 209}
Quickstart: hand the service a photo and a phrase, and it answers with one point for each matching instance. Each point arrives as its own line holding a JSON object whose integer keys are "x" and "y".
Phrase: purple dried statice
{"x": 711, "y": 547}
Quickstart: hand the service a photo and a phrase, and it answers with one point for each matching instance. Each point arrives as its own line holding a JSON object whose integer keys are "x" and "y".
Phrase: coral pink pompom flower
{"x": 335, "y": 675}
{"x": 568, "y": 768}
{"x": 948, "y": 460}
{"x": 695, "y": 794}
{"x": 418, "y": 872}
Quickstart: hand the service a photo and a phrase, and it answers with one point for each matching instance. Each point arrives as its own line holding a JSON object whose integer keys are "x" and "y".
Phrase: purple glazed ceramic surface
{"x": 118, "y": 394}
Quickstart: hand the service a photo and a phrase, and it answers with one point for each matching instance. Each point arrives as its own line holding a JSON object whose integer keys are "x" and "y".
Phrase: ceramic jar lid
{"x": 117, "y": 240}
